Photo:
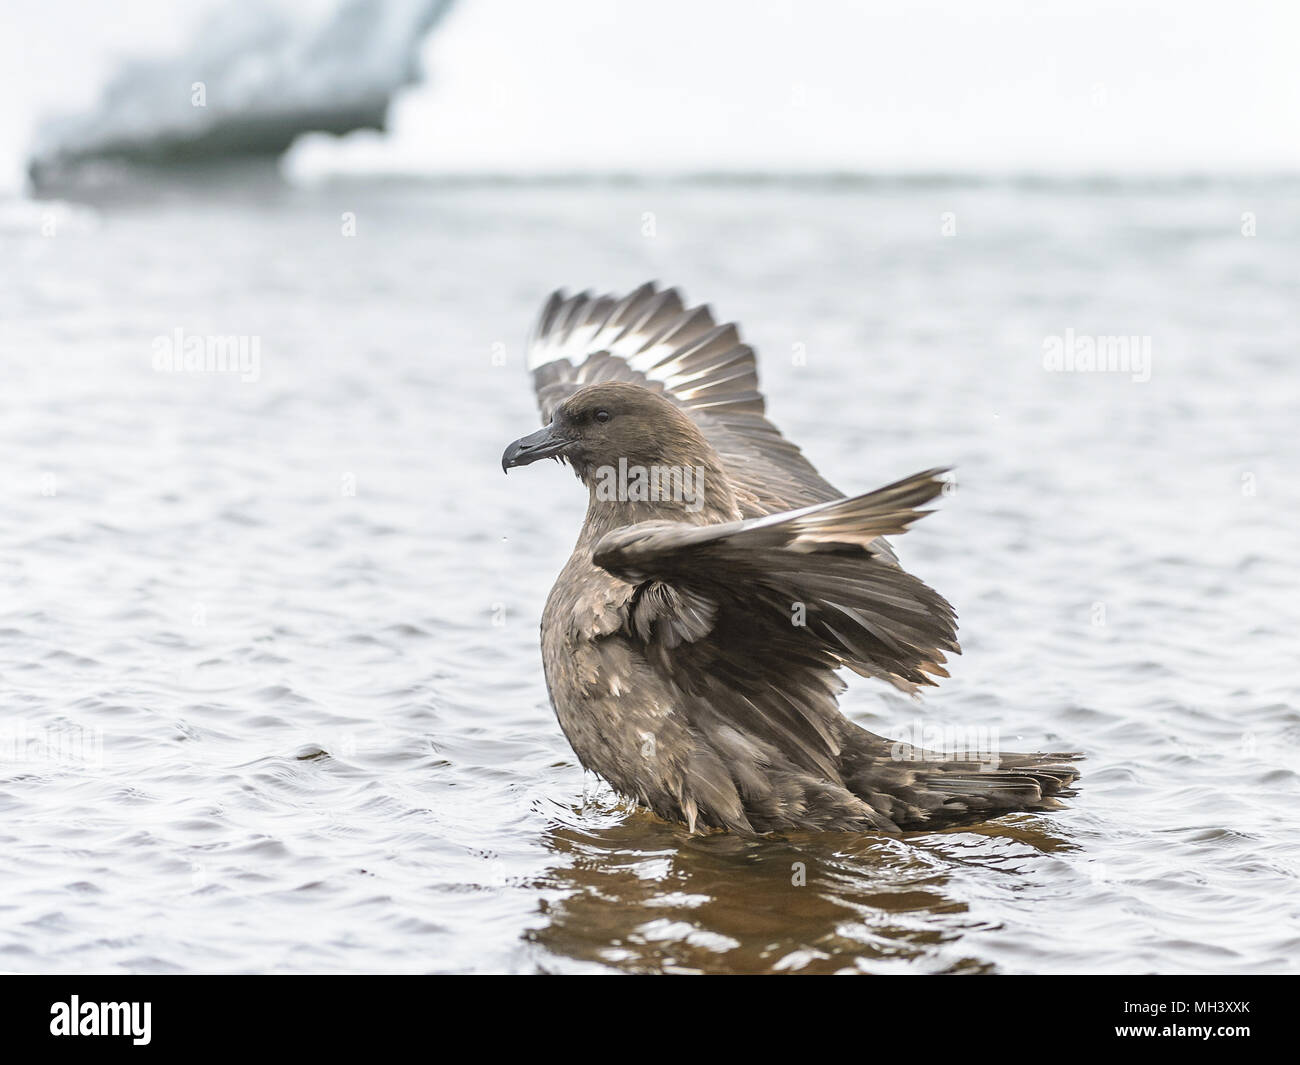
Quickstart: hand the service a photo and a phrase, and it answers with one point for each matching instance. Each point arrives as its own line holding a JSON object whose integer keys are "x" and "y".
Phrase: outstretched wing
{"x": 808, "y": 581}
{"x": 750, "y": 619}
{"x": 650, "y": 337}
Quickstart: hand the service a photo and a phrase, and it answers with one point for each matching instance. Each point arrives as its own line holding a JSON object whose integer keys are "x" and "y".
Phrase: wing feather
{"x": 858, "y": 610}
{"x": 651, "y": 337}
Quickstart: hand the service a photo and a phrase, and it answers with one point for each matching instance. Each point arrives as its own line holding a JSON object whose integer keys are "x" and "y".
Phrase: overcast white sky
{"x": 1049, "y": 85}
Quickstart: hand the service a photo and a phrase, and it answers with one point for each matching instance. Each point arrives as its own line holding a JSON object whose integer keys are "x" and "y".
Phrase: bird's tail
{"x": 923, "y": 789}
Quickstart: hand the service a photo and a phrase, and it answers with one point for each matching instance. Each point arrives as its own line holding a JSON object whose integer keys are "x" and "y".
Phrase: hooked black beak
{"x": 539, "y": 445}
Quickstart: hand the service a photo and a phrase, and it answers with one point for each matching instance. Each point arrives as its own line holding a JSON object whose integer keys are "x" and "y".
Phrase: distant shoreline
{"x": 237, "y": 172}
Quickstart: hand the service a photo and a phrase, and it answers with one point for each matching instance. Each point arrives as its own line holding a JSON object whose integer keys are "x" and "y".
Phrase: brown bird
{"x": 691, "y": 642}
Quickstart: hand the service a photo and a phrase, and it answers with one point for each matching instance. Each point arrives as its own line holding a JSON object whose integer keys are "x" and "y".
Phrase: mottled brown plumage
{"x": 691, "y": 642}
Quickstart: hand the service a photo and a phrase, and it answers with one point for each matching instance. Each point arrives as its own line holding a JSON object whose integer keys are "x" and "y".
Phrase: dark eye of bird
{"x": 602, "y": 415}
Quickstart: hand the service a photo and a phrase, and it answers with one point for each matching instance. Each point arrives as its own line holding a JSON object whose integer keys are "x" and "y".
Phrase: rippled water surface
{"x": 272, "y": 695}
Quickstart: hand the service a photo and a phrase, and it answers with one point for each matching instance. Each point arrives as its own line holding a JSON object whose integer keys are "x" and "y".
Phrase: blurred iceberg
{"x": 253, "y": 80}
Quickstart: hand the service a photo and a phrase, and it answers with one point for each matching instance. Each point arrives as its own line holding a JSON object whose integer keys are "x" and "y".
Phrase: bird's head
{"x": 627, "y": 443}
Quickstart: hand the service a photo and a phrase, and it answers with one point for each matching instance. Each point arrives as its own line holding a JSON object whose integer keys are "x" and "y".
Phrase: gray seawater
{"x": 271, "y": 691}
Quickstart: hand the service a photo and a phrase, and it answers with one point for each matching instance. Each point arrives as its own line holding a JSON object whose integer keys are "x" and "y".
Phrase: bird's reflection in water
{"x": 641, "y": 895}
